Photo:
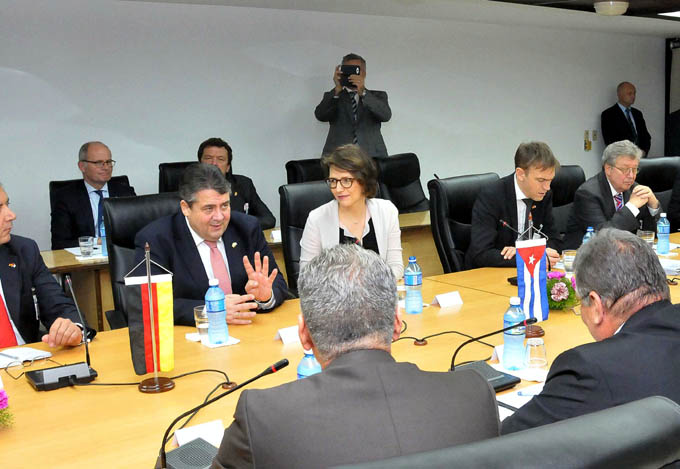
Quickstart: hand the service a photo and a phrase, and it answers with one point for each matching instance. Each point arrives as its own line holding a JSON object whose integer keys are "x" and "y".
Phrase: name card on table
{"x": 288, "y": 335}
{"x": 446, "y": 300}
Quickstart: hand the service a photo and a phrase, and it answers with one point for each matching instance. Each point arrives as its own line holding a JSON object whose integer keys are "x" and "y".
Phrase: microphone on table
{"x": 199, "y": 453}
{"x": 526, "y": 322}
{"x": 57, "y": 377}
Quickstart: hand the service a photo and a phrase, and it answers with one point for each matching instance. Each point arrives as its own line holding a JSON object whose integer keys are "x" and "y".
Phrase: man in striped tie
{"x": 611, "y": 198}
{"x": 205, "y": 239}
{"x": 354, "y": 113}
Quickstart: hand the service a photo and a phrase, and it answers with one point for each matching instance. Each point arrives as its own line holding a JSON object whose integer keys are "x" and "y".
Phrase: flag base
{"x": 534, "y": 330}
{"x": 156, "y": 385}
{"x": 229, "y": 385}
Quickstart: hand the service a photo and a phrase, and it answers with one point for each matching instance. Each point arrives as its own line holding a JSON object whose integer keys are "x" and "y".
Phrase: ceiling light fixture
{"x": 610, "y": 8}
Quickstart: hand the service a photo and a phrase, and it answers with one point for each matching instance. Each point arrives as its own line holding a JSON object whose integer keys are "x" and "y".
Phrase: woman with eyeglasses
{"x": 355, "y": 216}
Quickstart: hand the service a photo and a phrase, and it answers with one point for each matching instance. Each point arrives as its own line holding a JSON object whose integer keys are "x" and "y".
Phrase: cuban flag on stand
{"x": 531, "y": 278}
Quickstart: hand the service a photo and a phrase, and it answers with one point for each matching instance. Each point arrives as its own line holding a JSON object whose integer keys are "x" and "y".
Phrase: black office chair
{"x": 451, "y": 202}
{"x": 170, "y": 175}
{"x": 659, "y": 175}
{"x": 399, "y": 182}
{"x": 297, "y": 200}
{"x": 567, "y": 180}
{"x": 298, "y": 171}
{"x": 123, "y": 218}
{"x": 642, "y": 433}
{"x": 54, "y": 186}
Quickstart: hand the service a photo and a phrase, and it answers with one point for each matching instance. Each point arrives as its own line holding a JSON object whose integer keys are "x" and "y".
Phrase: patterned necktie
{"x": 632, "y": 126}
{"x": 355, "y": 115}
{"x": 528, "y": 203}
{"x": 7, "y": 337}
{"x": 618, "y": 200}
{"x": 100, "y": 213}
{"x": 219, "y": 268}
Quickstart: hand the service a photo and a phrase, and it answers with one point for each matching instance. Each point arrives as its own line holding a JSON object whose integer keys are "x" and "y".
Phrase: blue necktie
{"x": 100, "y": 213}
{"x": 632, "y": 126}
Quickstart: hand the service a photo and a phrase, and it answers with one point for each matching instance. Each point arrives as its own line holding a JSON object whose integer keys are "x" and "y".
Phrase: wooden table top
{"x": 61, "y": 261}
{"x": 117, "y": 426}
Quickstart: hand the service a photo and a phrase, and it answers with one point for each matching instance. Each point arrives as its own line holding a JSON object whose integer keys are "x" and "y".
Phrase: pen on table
{"x": 526, "y": 393}
{"x": 2, "y": 354}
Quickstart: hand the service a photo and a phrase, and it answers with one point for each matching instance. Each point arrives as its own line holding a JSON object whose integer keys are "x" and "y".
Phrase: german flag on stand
{"x": 142, "y": 323}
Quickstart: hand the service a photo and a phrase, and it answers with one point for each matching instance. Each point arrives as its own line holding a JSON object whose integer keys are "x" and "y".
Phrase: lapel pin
{"x": 234, "y": 244}
{"x": 12, "y": 265}
{"x": 235, "y": 194}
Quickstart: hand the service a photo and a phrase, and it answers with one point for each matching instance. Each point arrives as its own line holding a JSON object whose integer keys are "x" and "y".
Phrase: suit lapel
{"x": 11, "y": 282}
{"x": 511, "y": 201}
{"x": 86, "y": 208}
{"x": 234, "y": 250}
{"x": 605, "y": 190}
{"x": 188, "y": 251}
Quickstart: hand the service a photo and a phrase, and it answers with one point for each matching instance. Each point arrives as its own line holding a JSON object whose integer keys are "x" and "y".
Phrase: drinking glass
{"x": 201, "y": 318}
{"x": 86, "y": 244}
{"x": 535, "y": 356}
{"x": 648, "y": 236}
{"x": 568, "y": 257}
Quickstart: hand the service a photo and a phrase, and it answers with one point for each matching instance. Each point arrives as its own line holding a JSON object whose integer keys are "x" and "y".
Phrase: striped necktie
{"x": 618, "y": 200}
{"x": 355, "y": 115}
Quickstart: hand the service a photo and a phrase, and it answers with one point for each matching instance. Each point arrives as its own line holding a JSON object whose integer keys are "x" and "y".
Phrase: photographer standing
{"x": 354, "y": 113}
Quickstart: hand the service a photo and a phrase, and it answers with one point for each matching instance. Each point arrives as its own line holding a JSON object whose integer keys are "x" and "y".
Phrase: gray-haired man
{"x": 364, "y": 405}
{"x": 625, "y": 304}
{"x": 611, "y": 198}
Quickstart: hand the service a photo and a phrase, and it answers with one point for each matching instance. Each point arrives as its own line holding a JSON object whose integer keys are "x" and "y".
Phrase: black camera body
{"x": 346, "y": 71}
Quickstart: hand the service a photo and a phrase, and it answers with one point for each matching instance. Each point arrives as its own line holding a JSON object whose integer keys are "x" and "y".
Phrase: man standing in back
{"x": 77, "y": 206}
{"x": 623, "y": 122}
{"x": 354, "y": 113}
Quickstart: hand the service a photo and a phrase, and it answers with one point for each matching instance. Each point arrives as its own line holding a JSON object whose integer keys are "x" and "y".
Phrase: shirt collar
{"x": 90, "y": 189}
{"x": 519, "y": 195}
{"x": 197, "y": 239}
{"x": 622, "y": 107}
{"x": 611, "y": 188}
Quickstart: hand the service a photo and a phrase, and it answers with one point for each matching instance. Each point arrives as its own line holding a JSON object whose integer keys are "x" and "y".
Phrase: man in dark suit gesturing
{"x": 623, "y": 122}
{"x": 611, "y": 198}
{"x": 205, "y": 240}
{"x": 364, "y": 405}
{"x": 625, "y": 304}
{"x": 77, "y": 206}
{"x": 354, "y": 113}
{"x": 510, "y": 200}
{"x": 23, "y": 274}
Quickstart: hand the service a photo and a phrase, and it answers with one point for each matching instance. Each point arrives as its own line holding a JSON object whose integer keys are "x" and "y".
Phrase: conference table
{"x": 117, "y": 426}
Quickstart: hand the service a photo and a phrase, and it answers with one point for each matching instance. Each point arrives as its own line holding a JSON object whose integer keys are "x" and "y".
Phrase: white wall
{"x": 153, "y": 80}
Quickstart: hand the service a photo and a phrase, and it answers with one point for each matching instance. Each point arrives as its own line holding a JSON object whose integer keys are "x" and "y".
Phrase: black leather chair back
{"x": 642, "y": 433}
{"x": 567, "y": 180}
{"x": 399, "y": 182}
{"x": 297, "y": 200}
{"x": 659, "y": 175}
{"x": 299, "y": 171}
{"x": 170, "y": 175}
{"x": 56, "y": 185}
{"x": 451, "y": 202}
{"x": 123, "y": 218}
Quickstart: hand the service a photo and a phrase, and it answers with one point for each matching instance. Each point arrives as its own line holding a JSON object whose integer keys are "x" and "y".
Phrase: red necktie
{"x": 7, "y": 337}
{"x": 219, "y": 268}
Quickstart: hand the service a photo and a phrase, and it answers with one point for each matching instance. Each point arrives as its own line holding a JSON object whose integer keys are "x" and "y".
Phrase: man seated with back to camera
{"x": 244, "y": 197}
{"x": 364, "y": 405}
{"x": 23, "y": 274}
{"x": 625, "y": 304}
{"x": 509, "y": 200}
{"x": 204, "y": 240}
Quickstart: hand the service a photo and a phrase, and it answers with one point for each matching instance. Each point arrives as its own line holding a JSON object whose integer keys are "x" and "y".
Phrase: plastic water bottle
{"x": 413, "y": 280}
{"x": 663, "y": 232}
{"x": 513, "y": 340}
{"x": 589, "y": 234}
{"x": 102, "y": 235}
{"x": 308, "y": 365}
{"x": 218, "y": 332}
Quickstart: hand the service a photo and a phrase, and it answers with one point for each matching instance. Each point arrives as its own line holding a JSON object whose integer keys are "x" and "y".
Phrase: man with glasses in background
{"x": 77, "y": 206}
{"x": 611, "y": 198}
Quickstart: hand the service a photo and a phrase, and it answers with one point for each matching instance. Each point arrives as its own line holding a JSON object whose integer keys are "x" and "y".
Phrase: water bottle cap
{"x": 213, "y": 282}
{"x": 515, "y": 301}
{"x": 663, "y": 214}
{"x": 590, "y": 228}
{"x": 411, "y": 258}
{"x": 309, "y": 352}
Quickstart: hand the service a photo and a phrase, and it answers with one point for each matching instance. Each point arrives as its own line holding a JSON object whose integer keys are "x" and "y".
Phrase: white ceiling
{"x": 482, "y": 11}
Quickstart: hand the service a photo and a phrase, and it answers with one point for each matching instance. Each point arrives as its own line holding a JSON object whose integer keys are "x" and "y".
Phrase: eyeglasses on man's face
{"x": 344, "y": 182}
{"x": 627, "y": 171}
{"x": 101, "y": 164}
